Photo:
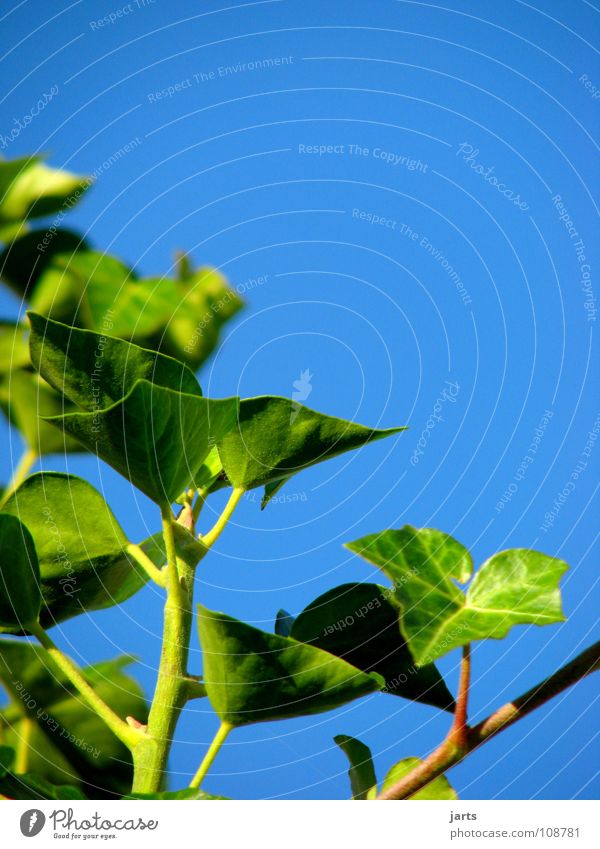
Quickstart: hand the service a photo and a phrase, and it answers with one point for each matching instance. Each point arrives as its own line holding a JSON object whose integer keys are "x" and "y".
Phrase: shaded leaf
{"x": 26, "y": 259}
{"x": 359, "y": 623}
{"x": 252, "y": 676}
{"x": 20, "y": 598}
{"x": 32, "y": 786}
{"x": 80, "y": 546}
{"x": 439, "y": 788}
{"x": 361, "y": 772}
{"x": 70, "y": 743}
{"x": 188, "y": 793}
{"x": 275, "y": 438}
{"x": 513, "y": 587}
{"x": 283, "y": 623}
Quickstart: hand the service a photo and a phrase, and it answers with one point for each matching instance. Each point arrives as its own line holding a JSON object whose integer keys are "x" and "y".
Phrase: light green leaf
{"x": 70, "y": 744}
{"x": 80, "y": 546}
{"x": 359, "y": 623}
{"x": 31, "y": 189}
{"x": 20, "y": 597}
{"x": 14, "y": 350}
{"x": 252, "y": 676}
{"x": 361, "y": 772}
{"x": 439, "y": 788}
{"x": 275, "y": 438}
{"x": 513, "y": 587}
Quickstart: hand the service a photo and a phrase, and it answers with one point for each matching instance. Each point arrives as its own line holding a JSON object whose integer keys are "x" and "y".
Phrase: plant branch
{"x": 460, "y": 730}
{"x": 142, "y": 559}
{"x": 219, "y": 738}
{"x": 449, "y": 753}
{"x": 211, "y": 537}
{"x": 22, "y": 469}
{"x": 127, "y": 735}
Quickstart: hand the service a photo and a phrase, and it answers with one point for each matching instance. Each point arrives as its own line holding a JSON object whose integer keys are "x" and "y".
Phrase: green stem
{"x": 126, "y": 734}
{"x": 150, "y": 759}
{"x": 211, "y": 754}
{"x": 26, "y": 729}
{"x": 22, "y": 469}
{"x": 142, "y": 559}
{"x": 211, "y": 537}
{"x": 450, "y": 753}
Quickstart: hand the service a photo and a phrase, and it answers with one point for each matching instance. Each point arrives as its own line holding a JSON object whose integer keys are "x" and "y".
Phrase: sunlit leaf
{"x": 275, "y": 438}
{"x": 439, "y": 788}
{"x": 513, "y": 587}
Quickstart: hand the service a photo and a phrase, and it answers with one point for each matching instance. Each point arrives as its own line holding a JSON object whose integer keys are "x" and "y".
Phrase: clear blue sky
{"x": 225, "y": 103}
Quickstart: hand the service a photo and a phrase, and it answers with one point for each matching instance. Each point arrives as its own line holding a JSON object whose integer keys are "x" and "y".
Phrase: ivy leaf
{"x": 95, "y": 370}
{"x": 275, "y": 438}
{"x": 69, "y": 743}
{"x": 439, "y": 788}
{"x": 20, "y": 598}
{"x": 80, "y": 546}
{"x": 362, "y": 772}
{"x": 283, "y": 623}
{"x": 252, "y": 676}
{"x": 513, "y": 587}
{"x": 159, "y": 434}
{"x": 31, "y": 189}
{"x": 359, "y": 623}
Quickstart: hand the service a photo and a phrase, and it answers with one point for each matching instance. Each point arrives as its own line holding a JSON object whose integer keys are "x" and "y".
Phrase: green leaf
{"x": 252, "y": 676}
{"x": 32, "y": 786}
{"x": 31, "y": 189}
{"x": 361, "y": 772}
{"x": 20, "y": 598}
{"x": 14, "y": 350}
{"x": 80, "y": 546}
{"x": 275, "y": 438}
{"x": 24, "y": 398}
{"x": 70, "y": 744}
{"x": 513, "y": 587}
{"x": 439, "y": 788}
{"x": 95, "y": 370}
{"x": 7, "y": 759}
{"x": 188, "y": 793}
{"x": 283, "y": 623}
{"x": 359, "y": 623}
{"x": 157, "y": 436}
{"x": 25, "y": 261}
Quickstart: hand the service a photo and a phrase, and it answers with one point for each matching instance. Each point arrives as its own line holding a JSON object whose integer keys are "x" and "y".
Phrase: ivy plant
{"x": 131, "y": 397}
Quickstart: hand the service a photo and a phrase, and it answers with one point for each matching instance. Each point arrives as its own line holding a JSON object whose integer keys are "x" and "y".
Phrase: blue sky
{"x": 401, "y": 175}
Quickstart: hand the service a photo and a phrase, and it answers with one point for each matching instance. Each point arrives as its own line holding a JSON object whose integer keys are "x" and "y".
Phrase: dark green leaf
{"x": 7, "y": 759}
{"x": 513, "y": 587}
{"x": 70, "y": 744}
{"x": 275, "y": 438}
{"x": 359, "y": 623}
{"x": 80, "y": 546}
{"x": 26, "y": 260}
{"x": 32, "y": 786}
{"x": 283, "y": 623}
{"x": 252, "y": 676}
{"x": 439, "y": 788}
{"x": 361, "y": 772}
{"x": 20, "y": 598}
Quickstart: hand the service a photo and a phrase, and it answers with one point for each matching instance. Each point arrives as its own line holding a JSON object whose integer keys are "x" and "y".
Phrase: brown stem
{"x": 449, "y": 753}
{"x": 460, "y": 730}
